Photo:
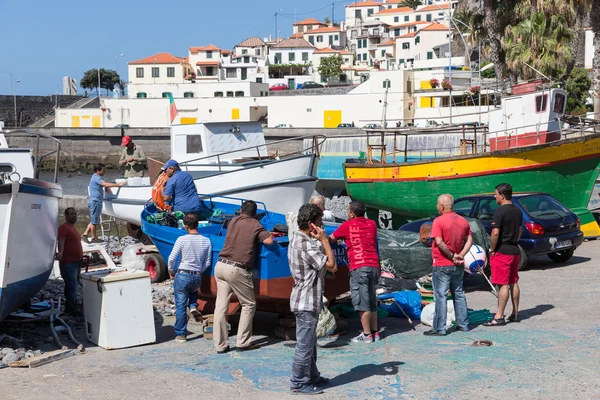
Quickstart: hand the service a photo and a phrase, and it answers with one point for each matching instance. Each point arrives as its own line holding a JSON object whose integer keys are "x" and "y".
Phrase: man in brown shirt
{"x": 133, "y": 158}
{"x": 233, "y": 273}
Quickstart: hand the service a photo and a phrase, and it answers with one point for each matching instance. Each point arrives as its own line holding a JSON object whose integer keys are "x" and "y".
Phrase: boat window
{"x": 464, "y": 206}
{"x": 541, "y": 102}
{"x": 559, "y": 103}
{"x": 193, "y": 144}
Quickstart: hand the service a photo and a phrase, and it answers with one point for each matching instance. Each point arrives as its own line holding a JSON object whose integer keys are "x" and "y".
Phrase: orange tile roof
{"x": 252, "y": 42}
{"x": 388, "y": 43}
{"x": 432, "y": 8}
{"x": 346, "y": 53}
{"x": 309, "y": 21}
{"x": 297, "y": 35}
{"x": 293, "y": 43}
{"x": 160, "y": 58}
{"x": 210, "y": 47}
{"x": 326, "y": 50}
{"x": 408, "y": 35}
{"x": 394, "y": 2}
{"x": 324, "y": 30}
{"x": 409, "y": 24}
{"x": 365, "y": 4}
{"x": 208, "y": 63}
{"x": 435, "y": 27}
{"x": 397, "y": 10}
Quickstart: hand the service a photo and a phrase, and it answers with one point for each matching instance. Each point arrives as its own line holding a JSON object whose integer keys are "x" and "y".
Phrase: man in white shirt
{"x": 319, "y": 201}
{"x": 194, "y": 251}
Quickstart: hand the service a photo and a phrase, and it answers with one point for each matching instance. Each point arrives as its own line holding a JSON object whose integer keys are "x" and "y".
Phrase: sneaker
{"x": 181, "y": 339}
{"x": 362, "y": 338}
{"x": 197, "y": 315}
{"x": 322, "y": 381}
{"x": 376, "y": 336}
{"x": 307, "y": 390}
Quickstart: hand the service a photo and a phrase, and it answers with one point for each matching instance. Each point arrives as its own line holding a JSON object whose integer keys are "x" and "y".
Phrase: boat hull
{"x": 29, "y": 221}
{"x": 566, "y": 169}
{"x": 282, "y": 185}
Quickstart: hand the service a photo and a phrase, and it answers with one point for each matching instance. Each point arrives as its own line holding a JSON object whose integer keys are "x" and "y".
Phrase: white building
{"x": 361, "y": 11}
{"x": 327, "y": 36}
{"x": 394, "y": 15}
{"x": 421, "y": 44}
{"x": 150, "y": 75}
{"x": 206, "y": 62}
{"x": 385, "y": 55}
{"x": 247, "y": 62}
{"x": 290, "y": 62}
{"x": 589, "y": 49}
{"x": 308, "y": 24}
{"x": 347, "y": 61}
{"x": 69, "y": 86}
{"x": 365, "y": 38}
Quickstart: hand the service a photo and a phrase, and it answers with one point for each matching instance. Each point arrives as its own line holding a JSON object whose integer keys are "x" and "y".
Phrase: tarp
{"x": 403, "y": 254}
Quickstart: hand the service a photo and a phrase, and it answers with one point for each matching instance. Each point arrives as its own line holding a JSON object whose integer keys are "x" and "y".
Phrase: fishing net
{"x": 403, "y": 253}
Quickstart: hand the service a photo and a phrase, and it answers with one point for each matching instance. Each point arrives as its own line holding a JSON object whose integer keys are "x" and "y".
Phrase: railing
{"x": 37, "y": 158}
{"x": 317, "y": 141}
{"x": 584, "y": 126}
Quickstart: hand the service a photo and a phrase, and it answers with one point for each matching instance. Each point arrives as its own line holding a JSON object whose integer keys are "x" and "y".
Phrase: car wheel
{"x": 523, "y": 260}
{"x": 561, "y": 256}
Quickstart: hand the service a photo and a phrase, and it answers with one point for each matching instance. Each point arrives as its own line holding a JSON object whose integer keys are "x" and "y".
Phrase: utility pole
{"x": 98, "y": 82}
{"x": 13, "y": 87}
{"x": 275, "y": 27}
{"x": 332, "y": 13}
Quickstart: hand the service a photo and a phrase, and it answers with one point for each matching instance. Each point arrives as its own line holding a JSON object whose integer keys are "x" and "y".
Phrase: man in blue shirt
{"x": 96, "y": 189}
{"x": 180, "y": 190}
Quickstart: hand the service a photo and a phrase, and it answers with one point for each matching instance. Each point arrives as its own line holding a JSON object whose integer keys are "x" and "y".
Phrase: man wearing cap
{"x": 132, "y": 157}
{"x": 180, "y": 190}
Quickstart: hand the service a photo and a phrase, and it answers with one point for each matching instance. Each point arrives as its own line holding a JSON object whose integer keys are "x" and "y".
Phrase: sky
{"x": 51, "y": 39}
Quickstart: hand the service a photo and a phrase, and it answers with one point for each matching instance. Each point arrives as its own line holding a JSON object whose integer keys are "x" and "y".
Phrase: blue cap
{"x": 170, "y": 163}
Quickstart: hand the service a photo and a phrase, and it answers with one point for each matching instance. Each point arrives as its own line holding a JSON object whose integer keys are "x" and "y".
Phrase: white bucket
{"x": 120, "y": 180}
{"x": 146, "y": 181}
{"x": 134, "y": 181}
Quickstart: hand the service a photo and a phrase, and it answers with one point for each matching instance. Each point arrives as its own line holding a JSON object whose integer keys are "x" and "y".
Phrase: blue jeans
{"x": 304, "y": 367}
{"x": 185, "y": 288}
{"x": 69, "y": 272}
{"x": 444, "y": 279}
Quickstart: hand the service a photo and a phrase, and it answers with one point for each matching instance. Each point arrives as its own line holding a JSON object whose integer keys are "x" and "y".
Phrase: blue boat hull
{"x": 16, "y": 294}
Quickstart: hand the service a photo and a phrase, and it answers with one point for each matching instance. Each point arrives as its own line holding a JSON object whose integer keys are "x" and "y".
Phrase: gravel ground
{"x": 552, "y": 353}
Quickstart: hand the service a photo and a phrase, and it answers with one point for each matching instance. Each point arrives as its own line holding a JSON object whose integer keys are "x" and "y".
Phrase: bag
{"x": 326, "y": 324}
{"x": 425, "y": 234}
{"x": 428, "y": 314}
{"x": 396, "y": 284}
{"x": 409, "y": 300}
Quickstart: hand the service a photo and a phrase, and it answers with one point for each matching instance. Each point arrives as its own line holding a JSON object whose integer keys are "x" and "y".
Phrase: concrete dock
{"x": 553, "y": 353}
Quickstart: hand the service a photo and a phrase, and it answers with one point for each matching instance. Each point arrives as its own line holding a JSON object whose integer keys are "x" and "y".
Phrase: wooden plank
{"x": 42, "y": 359}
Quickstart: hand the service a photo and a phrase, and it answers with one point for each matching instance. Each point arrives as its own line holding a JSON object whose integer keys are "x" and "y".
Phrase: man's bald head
{"x": 445, "y": 203}
{"x": 318, "y": 201}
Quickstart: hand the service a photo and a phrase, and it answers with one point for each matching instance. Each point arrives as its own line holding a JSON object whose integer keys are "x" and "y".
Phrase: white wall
{"x": 589, "y": 49}
{"x": 459, "y": 115}
{"x": 162, "y": 71}
{"x": 200, "y": 89}
{"x": 285, "y": 55}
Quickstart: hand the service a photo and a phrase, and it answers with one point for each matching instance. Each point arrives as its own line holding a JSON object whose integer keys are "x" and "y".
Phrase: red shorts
{"x": 505, "y": 268}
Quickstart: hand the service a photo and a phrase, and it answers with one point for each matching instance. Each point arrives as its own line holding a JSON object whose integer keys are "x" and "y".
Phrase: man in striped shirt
{"x": 193, "y": 251}
{"x": 307, "y": 267}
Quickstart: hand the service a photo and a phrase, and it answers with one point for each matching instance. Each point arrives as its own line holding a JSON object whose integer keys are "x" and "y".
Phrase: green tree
{"x": 578, "y": 89}
{"x": 331, "y": 66}
{"x": 414, "y": 4}
{"x": 108, "y": 79}
{"x": 122, "y": 85}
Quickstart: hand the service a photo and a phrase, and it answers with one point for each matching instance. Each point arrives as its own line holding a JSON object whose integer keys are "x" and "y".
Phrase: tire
{"x": 561, "y": 256}
{"x": 155, "y": 266}
{"x": 524, "y": 259}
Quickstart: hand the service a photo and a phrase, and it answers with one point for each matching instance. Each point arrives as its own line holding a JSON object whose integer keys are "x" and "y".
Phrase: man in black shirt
{"x": 504, "y": 253}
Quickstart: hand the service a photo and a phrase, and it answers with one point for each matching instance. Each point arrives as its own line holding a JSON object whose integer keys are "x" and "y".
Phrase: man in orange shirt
{"x": 158, "y": 189}
{"x": 70, "y": 254}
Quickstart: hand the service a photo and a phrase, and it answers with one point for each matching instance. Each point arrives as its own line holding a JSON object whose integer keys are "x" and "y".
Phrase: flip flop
{"x": 512, "y": 318}
{"x": 495, "y": 322}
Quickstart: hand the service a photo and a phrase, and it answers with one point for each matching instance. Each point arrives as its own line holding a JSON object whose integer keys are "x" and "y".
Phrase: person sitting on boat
{"x": 70, "y": 255}
{"x": 180, "y": 190}
{"x": 132, "y": 157}
{"x": 360, "y": 235}
{"x": 194, "y": 250}
{"x": 319, "y": 201}
{"x": 309, "y": 255}
{"x": 158, "y": 190}
{"x": 97, "y": 184}
{"x": 233, "y": 273}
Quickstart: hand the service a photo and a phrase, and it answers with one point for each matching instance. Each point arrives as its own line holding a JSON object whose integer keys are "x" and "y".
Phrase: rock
{"x": 38, "y": 353}
{"x": 6, "y": 350}
{"x": 9, "y": 358}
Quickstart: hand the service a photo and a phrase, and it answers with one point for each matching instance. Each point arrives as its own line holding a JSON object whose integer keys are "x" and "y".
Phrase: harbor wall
{"x": 31, "y": 108}
{"x": 84, "y": 147}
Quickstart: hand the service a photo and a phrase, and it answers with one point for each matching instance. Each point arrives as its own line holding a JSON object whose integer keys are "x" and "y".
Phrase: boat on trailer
{"x": 230, "y": 159}
{"x": 29, "y": 209}
{"x": 271, "y": 274}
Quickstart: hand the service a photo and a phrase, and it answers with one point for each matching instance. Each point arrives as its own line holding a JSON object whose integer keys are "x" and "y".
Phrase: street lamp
{"x": 117, "y": 62}
{"x": 13, "y": 86}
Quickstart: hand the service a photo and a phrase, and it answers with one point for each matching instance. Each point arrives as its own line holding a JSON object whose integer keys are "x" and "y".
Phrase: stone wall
{"x": 31, "y": 108}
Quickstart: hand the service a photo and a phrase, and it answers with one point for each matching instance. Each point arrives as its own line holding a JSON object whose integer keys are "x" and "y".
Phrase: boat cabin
{"x": 529, "y": 117}
{"x": 237, "y": 140}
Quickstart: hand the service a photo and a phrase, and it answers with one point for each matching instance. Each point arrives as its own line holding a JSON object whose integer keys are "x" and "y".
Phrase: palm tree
{"x": 595, "y": 23}
{"x": 414, "y": 4}
{"x": 541, "y": 42}
{"x": 122, "y": 85}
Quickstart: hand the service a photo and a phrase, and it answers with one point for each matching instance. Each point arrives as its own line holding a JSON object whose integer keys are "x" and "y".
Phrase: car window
{"x": 464, "y": 206}
{"x": 543, "y": 206}
{"x": 486, "y": 209}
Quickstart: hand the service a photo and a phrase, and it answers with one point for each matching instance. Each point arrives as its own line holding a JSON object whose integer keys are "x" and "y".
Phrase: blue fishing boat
{"x": 271, "y": 274}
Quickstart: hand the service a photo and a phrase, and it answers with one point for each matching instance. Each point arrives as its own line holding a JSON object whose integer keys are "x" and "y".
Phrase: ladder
{"x": 106, "y": 224}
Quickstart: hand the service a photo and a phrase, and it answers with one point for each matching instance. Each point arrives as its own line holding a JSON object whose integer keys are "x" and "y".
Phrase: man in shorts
{"x": 504, "y": 253}
{"x": 360, "y": 235}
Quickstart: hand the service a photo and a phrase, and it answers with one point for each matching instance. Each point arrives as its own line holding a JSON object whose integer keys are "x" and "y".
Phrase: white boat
{"x": 229, "y": 159}
{"x": 28, "y": 222}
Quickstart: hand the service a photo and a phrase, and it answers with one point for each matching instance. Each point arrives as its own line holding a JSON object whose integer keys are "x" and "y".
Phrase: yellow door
{"x": 426, "y": 102}
{"x": 95, "y": 121}
{"x": 332, "y": 118}
{"x": 235, "y": 113}
{"x": 75, "y": 122}
{"x": 187, "y": 121}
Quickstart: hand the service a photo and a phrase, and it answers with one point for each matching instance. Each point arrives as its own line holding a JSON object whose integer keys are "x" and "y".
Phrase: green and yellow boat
{"x": 567, "y": 169}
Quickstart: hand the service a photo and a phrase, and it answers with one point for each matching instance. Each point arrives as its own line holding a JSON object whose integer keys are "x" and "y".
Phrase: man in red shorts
{"x": 504, "y": 253}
